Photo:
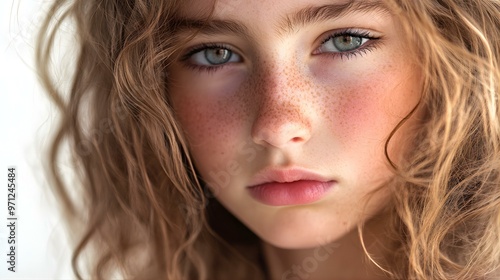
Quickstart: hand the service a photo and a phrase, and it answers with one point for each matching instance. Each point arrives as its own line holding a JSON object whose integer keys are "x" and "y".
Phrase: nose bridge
{"x": 282, "y": 104}
{"x": 279, "y": 81}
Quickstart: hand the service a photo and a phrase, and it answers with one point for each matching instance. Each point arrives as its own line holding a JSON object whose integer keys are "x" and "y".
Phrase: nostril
{"x": 296, "y": 139}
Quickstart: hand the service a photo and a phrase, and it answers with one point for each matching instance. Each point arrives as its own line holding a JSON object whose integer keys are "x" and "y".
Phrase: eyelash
{"x": 202, "y": 47}
{"x": 363, "y": 49}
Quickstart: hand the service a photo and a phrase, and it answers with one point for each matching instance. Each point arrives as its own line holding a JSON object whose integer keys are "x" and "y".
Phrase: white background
{"x": 26, "y": 121}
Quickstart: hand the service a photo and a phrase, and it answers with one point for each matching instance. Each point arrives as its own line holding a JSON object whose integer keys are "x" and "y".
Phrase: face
{"x": 287, "y": 106}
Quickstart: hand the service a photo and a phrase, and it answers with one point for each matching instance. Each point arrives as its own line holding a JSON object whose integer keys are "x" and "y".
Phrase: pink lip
{"x": 289, "y": 187}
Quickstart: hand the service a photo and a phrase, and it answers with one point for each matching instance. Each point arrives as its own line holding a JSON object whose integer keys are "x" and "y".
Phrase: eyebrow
{"x": 311, "y": 15}
{"x": 209, "y": 26}
{"x": 287, "y": 24}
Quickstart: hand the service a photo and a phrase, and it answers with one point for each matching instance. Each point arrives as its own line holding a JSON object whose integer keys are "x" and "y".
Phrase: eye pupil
{"x": 347, "y": 42}
{"x": 216, "y": 56}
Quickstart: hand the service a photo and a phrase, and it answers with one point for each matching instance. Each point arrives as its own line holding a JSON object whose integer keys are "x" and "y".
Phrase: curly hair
{"x": 146, "y": 214}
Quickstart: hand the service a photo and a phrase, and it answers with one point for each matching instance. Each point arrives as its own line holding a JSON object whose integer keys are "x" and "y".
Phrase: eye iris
{"x": 217, "y": 56}
{"x": 347, "y": 42}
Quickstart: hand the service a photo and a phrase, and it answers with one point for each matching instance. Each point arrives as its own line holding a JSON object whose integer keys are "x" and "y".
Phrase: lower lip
{"x": 293, "y": 193}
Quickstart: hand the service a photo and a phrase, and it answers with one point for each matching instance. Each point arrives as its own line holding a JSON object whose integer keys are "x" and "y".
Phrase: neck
{"x": 340, "y": 259}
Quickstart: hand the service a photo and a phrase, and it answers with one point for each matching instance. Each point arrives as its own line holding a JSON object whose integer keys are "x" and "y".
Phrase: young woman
{"x": 293, "y": 139}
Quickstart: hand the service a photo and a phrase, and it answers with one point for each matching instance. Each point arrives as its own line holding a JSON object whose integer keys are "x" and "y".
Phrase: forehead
{"x": 241, "y": 9}
{"x": 283, "y": 17}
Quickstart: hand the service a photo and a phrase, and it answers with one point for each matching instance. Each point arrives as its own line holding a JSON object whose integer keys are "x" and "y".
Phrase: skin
{"x": 282, "y": 104}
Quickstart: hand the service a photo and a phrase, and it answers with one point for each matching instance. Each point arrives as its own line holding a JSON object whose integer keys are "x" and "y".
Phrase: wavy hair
{"x": 145, "y": 213}
{"x": 447, "y": 200}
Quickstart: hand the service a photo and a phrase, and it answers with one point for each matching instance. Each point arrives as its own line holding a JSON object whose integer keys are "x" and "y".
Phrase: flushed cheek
{"x": 214, "y": 127}
{"x": 367, "y": 106}
{"x": 202, "y": 123}
{"x": 362, "y": 114}
{"x": 209, "y": 111}
{"x": 354, "y": 112}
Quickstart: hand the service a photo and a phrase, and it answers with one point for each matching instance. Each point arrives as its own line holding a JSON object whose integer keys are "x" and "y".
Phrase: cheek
{"x": 367, "y": 107}
{"x": 363, "y": 111}
{"x": 212, "y": 122}
{"x": 207, "y": 110}
{"x": 202, "y": 122}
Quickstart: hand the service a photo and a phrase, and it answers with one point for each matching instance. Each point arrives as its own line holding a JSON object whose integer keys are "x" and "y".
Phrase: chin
{"x": 302, "y": 236}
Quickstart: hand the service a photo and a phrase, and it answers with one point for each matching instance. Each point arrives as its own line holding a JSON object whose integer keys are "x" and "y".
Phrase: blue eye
{"x": 212, "y": 56}
{"x": 345, "y": 42}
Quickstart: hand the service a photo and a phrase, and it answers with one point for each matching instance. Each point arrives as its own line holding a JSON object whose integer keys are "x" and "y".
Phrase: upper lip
{"x": 287, "y": 175}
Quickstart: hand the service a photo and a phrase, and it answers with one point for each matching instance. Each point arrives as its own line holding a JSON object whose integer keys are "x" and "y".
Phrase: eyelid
{"x": 360, "y": 32}
{"x": 355, "y": 32}
{"x": 208, "y": 68}
{"x": 203, "y": 46}
{"x": 188, "y": 53}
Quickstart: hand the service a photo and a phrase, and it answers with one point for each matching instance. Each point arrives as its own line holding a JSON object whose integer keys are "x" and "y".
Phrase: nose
{"x": 284, "y": 115}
